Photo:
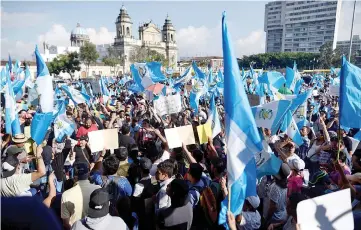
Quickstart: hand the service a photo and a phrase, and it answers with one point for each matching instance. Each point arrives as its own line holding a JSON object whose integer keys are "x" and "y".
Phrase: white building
{"x": 150, "y": 36}
{"x": 300, "y": 26}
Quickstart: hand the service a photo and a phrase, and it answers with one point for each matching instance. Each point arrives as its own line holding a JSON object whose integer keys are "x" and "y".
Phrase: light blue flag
{"x": 141, "y": 75}
{"x": 213, "y": 118}
{"x": 18, "y": 86}
{"x": 350, "y": 95}
{"x": 83, "y": 90}
{"x": 12, "y": 123}
{"x": 155, "y": 72}
{"x": 273, "y": 78}
{"x": 220, "y": 76}
{"x": 90, "y": 90}
{"x": 289, "y": 127}
{"x": 28, "y": 82}
{"x": 44, "y": 116}
{"x": 199, "y": 73}
{"x": 298, "y": 86}
{"x": 75, "y": 95}
{"x": 103, "y": 87}
{"x": 270, "y": 115}
{"x": 198, "y": 89}
{"x": 357, "y": 136}
{"x": 187, "y": 76}
{"x": 290, "y": 76}
{"x": 111, "y": 80}
{"x": 242, "y": 137}
{"x": 62, "y": 124}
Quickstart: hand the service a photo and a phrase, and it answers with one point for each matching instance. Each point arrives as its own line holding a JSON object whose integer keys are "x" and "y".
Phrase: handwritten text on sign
{"x": 168, "y": 105}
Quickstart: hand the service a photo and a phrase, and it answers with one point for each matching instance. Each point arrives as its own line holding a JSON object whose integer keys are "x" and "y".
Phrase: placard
{"x": 176, "y": 136}
{"x": 330, "y": 211}
{"x": 204, "y": 131}
{"x": 334, "y": 90}
{"x": 100, "y": 139}
{"x": 168, "y": 105}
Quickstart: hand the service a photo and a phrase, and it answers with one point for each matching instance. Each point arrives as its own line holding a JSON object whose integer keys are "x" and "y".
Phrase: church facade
{"x": 150, "y": 36}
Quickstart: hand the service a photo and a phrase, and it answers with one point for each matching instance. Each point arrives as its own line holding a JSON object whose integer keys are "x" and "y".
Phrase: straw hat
{"x": 19, "y": 138}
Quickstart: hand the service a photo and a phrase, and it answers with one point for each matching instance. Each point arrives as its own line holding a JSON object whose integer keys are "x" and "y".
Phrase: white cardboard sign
{"x": 168, "y": 105}
{"x": 176, "y": 136}
{"x": 330, "y": 211}
{"x": 100, "y": 139}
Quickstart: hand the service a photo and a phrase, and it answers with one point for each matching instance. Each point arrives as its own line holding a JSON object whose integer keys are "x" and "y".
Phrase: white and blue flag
{"x": 214, "y": 118}
{"x": 242, "y": 137}
{"x": 350, "y": 95}
{"x": 43, "y": 117}
{"x": 62, "y": 124}
{"x": 12, "y": 123}
{"x": 289, "y": 127}
{"x": 271, "y": 115}
{"x": 75, "y": 95}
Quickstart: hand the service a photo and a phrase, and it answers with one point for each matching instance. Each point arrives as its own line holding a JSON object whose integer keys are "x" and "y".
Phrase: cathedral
{"x": 150, "y": 36}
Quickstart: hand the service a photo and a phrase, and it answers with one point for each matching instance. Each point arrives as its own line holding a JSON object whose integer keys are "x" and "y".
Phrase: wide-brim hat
{"x": 19, "y": 138}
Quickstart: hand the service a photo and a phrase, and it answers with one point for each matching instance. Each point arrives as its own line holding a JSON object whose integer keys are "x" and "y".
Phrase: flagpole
{"x": 353, "y": 17}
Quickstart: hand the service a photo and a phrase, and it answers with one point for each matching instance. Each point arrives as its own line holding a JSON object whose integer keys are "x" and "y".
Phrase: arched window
{"x": 123, "y": 31}
{"x": 128, "y": 31}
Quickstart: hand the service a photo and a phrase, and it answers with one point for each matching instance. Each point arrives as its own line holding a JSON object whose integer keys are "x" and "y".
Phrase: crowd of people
{"x": 143, "y": 184}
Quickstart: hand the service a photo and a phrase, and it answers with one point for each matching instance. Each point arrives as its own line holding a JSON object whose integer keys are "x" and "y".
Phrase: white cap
{"x": 297, "y": 164}
{"x": 254, "y": 201}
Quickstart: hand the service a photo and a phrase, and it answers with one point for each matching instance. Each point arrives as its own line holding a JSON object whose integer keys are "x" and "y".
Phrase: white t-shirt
{"x": 165, "y": 156}
{"x": 15, "y": 184}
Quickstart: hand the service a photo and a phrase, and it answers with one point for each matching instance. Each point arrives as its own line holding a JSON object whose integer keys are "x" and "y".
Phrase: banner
{"x": 176, "y": 136}
{"x": 168, "y": 105}
{"x": 103, "y": 139}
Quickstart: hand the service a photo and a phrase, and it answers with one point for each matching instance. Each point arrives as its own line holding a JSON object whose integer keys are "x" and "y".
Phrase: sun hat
{"x": 19, "y": 138}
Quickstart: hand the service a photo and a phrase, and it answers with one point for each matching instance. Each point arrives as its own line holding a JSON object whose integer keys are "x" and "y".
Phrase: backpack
{"x": 111, "y": 186}
{"x": 206, "y": 210}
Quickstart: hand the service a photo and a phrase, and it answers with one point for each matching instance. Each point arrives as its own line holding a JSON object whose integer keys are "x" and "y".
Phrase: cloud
{"x": 204, "y": 41}
{"x": 253, "y": 43}
{"x": 344, "y": 29}
{"x": 57, "y": 35}
{"x": 21, "y": 20}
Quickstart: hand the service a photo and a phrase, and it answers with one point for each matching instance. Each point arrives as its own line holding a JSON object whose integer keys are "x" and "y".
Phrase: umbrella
{"x": 156, "y": 88}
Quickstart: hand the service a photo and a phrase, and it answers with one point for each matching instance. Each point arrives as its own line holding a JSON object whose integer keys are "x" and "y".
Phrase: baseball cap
{"x": 145, "y": 163}
{"x": 84, "y": 138}
{"x": 297, "y": 164}
{"x": 320, "y": 177}
{"x": 98, "y": 204}
{"x": 9, "y": 166}
{"x": 284, "y": 172}
{"x": 13, "y": 150}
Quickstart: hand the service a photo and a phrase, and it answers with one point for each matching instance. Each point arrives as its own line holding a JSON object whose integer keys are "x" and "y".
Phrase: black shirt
{"x": 83, "y": 155}
{"x": 126, "y": 141}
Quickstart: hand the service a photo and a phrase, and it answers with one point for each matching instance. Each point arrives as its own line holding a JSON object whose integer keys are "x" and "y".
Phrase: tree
{"x": 66, "y": 63}
{"x": 113, "y": 58}
{"x": 144, "y": 54}
{"x": 88, "y": 54}
{"x": 329, "y": 57}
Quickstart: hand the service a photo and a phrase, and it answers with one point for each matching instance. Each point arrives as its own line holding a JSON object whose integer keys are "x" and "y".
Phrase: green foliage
{"x": 280, "y": 60}
{"x": 143, "y": 54}
{"x": 329, "y": 57}
{"x": 66, "y": 63}
{"x": 88, "y": 54}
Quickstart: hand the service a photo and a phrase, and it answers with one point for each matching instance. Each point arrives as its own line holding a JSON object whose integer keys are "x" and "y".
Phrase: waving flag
{"x": 75, "y": 95}
{"x": 272, "y": 79}
{"x": 198, "y": 89}
{"x": 242, "y": 137}
{"x": 187, "y": 76}
{"x": 155, "y": 72}
{"x": 44, "y": 116}
{"x": 289, "y": 126}
{"x": 270, "y": 115}
{"x": 199, "y": 73}
{"x": 214, "y": 118}
{"x": 62, "y": 124}
{"x": 350, "y": 95}
{"x": 141, "y": 75}
{"x": 12, "y": 123}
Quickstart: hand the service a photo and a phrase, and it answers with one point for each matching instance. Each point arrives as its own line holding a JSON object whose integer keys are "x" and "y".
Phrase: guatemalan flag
{"x": 62, "y": 124}
{"x": 12, "y": 123}
{"x": 350, "y": 95}
{"x": 270, "y": 115}
{"x": 214, "y": 118}
{"x": 242, "y": 137}
{"x": 289, "y": 127}
{"x": 44, "y": 115}
{"x": 75, "y": 95}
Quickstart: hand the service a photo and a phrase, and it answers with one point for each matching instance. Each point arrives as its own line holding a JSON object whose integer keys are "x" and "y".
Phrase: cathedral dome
{"x": 78, "y": 30}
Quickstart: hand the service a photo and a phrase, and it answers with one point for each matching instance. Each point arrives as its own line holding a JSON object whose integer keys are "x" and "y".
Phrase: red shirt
{"x": 82, "y": 131}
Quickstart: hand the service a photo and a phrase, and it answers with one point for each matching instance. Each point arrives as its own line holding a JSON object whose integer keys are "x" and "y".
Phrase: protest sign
{"x": 330, "y": 211}
{"x": 100, "y": 139}
{"x": 204, "y": 131}
{"x": 334, "y": 90}
{"x": 176, "y": 136}
{"x": 168, "y": 105}
{"x": 253, "y": 99}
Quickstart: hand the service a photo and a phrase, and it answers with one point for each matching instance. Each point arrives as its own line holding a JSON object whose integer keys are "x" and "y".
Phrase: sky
{"x": 198, "y": 24}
